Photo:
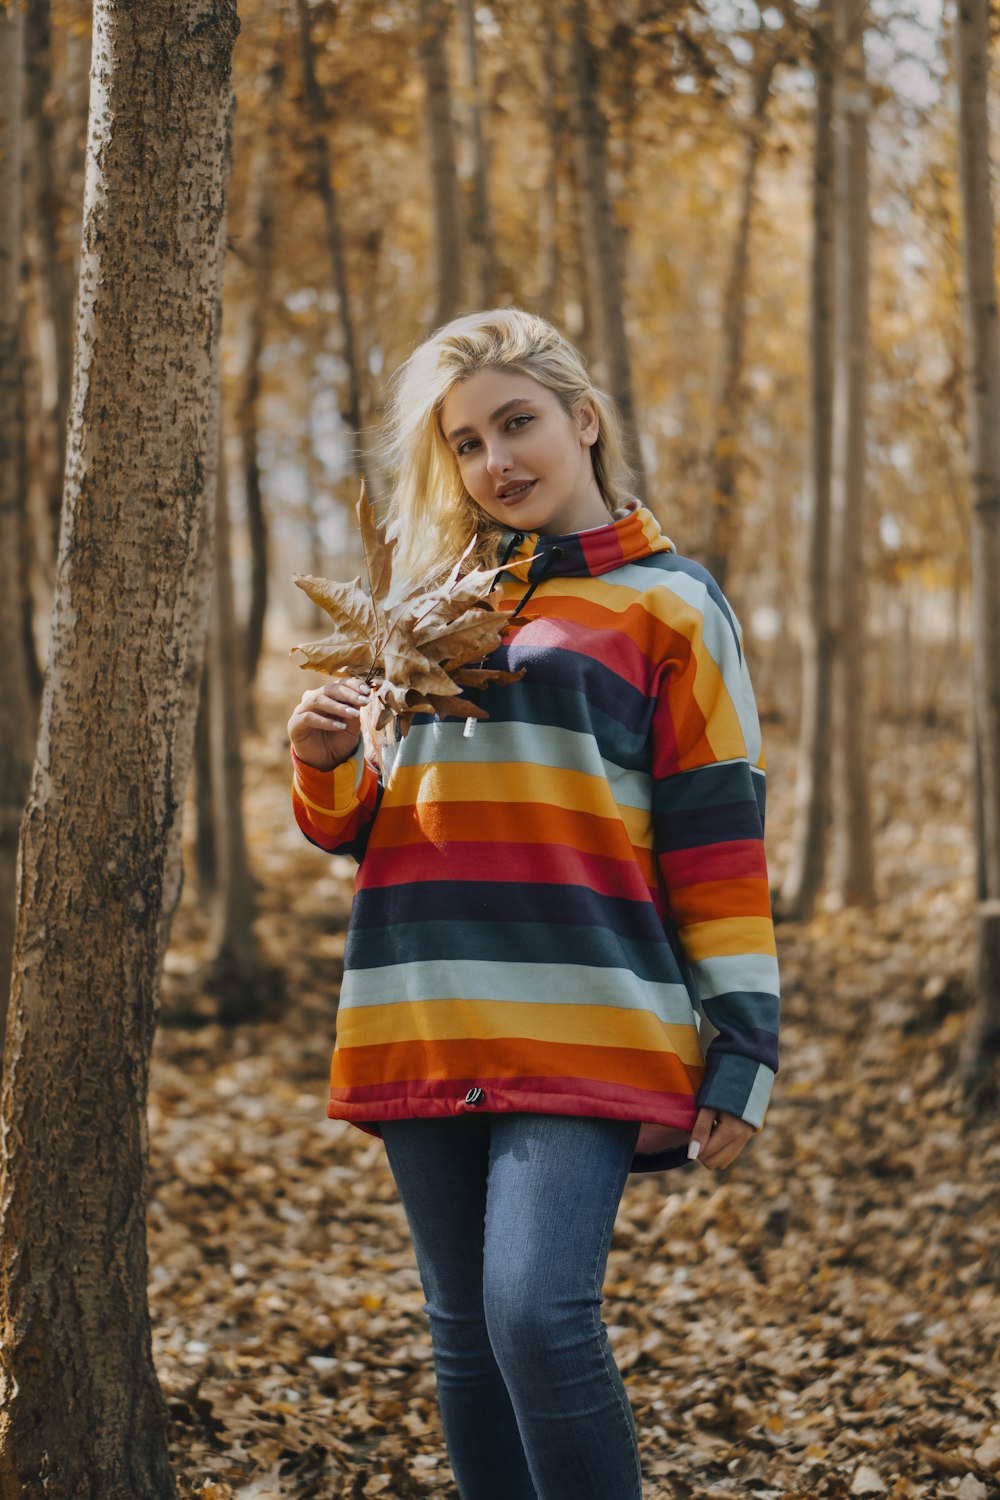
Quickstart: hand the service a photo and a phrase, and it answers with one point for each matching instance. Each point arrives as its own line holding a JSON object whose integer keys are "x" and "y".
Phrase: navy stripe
{"x": 509, "y": 942}
{"x": 731, "y": 823}
{"x": 506, "y": 902}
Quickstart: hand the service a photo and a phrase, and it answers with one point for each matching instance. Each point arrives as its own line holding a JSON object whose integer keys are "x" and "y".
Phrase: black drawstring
{"x": 556, "y": 555}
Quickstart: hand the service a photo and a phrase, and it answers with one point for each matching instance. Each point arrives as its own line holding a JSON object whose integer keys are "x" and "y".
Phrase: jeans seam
{"x": 610, "y": 1365}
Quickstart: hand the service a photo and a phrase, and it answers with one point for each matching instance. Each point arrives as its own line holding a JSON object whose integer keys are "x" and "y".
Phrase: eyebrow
{"x": 494, "y": 416}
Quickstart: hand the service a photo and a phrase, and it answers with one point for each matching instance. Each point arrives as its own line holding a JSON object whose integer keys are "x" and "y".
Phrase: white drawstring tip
{"x": 469, "y": 730}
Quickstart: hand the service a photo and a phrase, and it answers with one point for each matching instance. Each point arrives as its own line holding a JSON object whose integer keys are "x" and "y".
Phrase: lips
{"x": 512, "y": 493}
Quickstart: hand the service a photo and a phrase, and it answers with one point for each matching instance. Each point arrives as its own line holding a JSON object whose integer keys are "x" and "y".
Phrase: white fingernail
{"x": 694, "y": 1150}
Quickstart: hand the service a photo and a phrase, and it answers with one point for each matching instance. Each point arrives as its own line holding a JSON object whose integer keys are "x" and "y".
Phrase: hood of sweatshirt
{"x": 632, "y": 533}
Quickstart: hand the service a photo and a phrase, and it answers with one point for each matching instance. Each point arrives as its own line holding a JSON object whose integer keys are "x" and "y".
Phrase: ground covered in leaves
{"x": 823, "y": 1320}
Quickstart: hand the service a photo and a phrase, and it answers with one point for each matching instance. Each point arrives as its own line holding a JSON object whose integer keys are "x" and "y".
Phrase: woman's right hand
{"x": 325, "y": 726}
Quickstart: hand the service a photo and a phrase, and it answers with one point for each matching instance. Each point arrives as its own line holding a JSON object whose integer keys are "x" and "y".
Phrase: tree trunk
{"x": 17, "y": 718}
{"x": 351, "y": 414}
{"x": 433, "y": 22}
{"x": 55, "y": 274}
{"x": 982, "y": 1043}
{"x": 479, "y": 219}
{"x": 804, "y": 877}
{"x": 854, "y": 853}
{"x": 604, "y": 271}
{"x": 235, "y": 975}
{"x": 554, "y": 114}
{"x": 722, "y": 454}
{"x": 82, "y": 1414}
{"x": 258, "y": 241}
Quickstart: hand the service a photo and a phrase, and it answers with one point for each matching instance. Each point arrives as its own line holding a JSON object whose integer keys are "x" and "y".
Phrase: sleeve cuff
{"x": 334, "y": 791}
{"x": 737, "y": 1085}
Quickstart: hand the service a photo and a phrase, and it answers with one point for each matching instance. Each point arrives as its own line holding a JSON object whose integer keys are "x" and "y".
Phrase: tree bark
{"x": 433, "y": 22}
{"x": 982, "y": 1042}
{"x": 804, "y": 877}
{"x": 17, "y": 717}
{"x": 605, "y": 278}
{"x": 854, "y": 853}
{"x": 351, "y": 414}
{"x": 479, "y": 218}
{"x": 722, "y": 452}
{"x": 82, "y": 1414}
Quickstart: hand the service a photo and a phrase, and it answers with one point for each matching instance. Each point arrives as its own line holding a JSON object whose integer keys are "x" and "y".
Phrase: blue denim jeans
{"x": 511, "y": 1217}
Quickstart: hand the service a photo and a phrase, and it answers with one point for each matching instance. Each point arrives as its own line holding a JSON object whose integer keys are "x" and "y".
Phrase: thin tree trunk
{"x": 554, "y": 115}
{"x": 55, "y": 275}
{"x": 433, "y": 19}
{"x": 82, "y": 1412}
{"x": 479, "y": 219}
{"x": 17, "y": 717}
{"x": 320, "y": 147}
{"x": 804, "y": 877}
{"x": 723, "y": 448}
{"x": 235, "y": 975}
{"x": 604, "y": 271}
{"x": 76, "y": 24}
{"x": 258, "y": 240}
{"x": 854, "y": 852}
{"x": 982, "y": 1042}
{"x": 205, "y": 863}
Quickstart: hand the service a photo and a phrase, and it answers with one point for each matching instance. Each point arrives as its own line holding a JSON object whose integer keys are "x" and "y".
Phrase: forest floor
{"x": 821, "y": 1320}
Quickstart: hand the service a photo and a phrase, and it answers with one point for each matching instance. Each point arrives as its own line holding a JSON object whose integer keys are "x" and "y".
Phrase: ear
{"x": 589, "y": 422}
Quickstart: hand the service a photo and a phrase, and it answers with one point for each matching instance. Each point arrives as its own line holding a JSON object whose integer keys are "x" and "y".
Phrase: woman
{"x": 545, "y": 907}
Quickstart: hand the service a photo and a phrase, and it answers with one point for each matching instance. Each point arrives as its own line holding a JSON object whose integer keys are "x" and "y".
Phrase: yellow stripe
{"x": 510, "y": 781}
{"x": 728, "y": 937}
{"x": 584, "y": 1025}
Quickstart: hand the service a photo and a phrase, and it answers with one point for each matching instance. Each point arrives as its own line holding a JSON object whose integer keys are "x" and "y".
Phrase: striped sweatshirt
{"x": 548, "y": 911}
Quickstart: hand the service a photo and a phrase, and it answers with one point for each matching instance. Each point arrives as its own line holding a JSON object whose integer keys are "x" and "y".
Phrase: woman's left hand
{"x": 720, "y": 1138}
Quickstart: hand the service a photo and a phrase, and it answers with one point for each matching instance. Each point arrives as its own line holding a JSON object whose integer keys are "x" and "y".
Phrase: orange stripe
{"x": 719, "y": 898}
{"x": 358, "y": 1067}
{"x": 495, "y": 822}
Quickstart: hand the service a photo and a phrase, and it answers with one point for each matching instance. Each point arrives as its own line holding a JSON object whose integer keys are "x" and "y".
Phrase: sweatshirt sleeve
{"x": 335, "y": 809}
{"x": 708, "y": 815}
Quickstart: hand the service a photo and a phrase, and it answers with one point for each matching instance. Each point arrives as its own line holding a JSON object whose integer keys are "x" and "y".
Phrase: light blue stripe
{"x": 760, "y": 1093}
{"x": 756, "y": 972}
{"x": 496, "y": 741}
{"x": 551, "y": 984}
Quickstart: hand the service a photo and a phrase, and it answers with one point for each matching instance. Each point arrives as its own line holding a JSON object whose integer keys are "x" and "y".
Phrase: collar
{"x": 633, "y": 532}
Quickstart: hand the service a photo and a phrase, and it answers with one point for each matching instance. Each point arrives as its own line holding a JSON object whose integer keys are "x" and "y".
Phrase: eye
{"x": 465, "y": 447}
{"x": 520, "y": 419}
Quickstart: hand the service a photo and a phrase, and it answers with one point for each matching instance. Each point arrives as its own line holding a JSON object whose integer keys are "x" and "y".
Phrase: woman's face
{"x": 521, "y": 457}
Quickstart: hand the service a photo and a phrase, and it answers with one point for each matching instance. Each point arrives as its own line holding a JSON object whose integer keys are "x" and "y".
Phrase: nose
{"x": 498, "y": 459}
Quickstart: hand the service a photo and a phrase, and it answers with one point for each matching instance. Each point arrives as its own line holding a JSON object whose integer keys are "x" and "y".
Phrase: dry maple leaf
{"x": 421, "y": 650}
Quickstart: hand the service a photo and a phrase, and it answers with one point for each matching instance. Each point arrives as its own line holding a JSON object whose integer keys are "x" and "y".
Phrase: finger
{"x": 701, "y": 1132}
{"x": 352, "y": 687}
{"x": 727, "y": 1141}
{"x": 335, "y": 702}
{"x": 324, "y": 722}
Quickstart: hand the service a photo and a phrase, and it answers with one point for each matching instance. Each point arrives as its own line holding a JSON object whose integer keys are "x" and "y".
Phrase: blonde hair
{"x": 430, "y": 510}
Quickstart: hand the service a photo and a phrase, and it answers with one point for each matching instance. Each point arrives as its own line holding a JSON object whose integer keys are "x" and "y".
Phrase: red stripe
{"x": 426, "y": 1098}
{"x": 612, "y": 648}
{"x": 742, "y": 859}
{"x": 547, "y": 864}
